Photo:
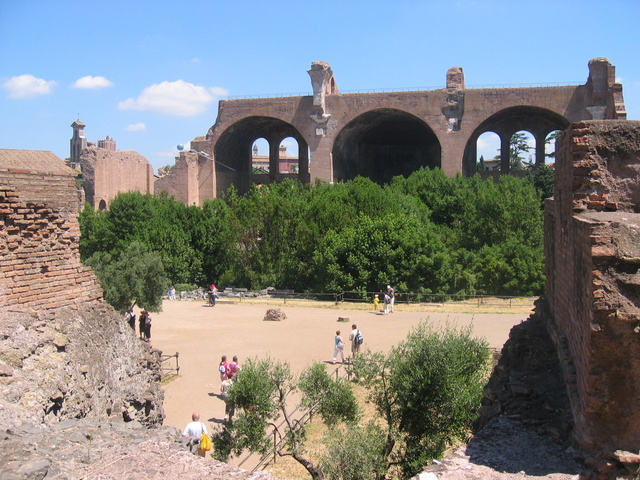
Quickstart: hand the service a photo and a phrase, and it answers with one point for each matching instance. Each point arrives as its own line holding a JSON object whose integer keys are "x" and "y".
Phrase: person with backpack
{"x": 356, "y": 339}
{"x": 131, "y": 318}
{"x": 223, "y": 368}
{"x": 387, "y": 299}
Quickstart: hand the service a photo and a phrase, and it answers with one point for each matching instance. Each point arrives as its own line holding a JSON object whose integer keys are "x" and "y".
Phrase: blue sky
{"x": 149, "y": 73}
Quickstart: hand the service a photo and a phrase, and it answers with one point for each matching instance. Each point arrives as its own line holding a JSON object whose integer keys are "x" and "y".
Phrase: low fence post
{"x": 275, "y": 445}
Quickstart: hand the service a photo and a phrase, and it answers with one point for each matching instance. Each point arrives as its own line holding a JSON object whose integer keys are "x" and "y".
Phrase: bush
{"x": 428, "y": 391}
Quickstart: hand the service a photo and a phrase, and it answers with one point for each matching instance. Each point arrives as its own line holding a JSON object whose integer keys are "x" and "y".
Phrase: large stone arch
{"x": 538, "y": 121}
{"x": 232, "y": 153}
{"x": 384, "y": 143}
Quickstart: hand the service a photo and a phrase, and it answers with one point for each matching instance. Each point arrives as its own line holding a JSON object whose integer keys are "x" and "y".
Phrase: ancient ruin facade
{"x": 106, "y": 173}
{"x": 592, "y": 248}
{"x": 40, "y": 265}
{"x": 381, "y": 135}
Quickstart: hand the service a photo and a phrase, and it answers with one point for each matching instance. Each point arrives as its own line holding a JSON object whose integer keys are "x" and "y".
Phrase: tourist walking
{"x": 356, "y": 339}
{"x": 147, "y": 327}
{"x": 194, "y": 430}
{"x": 222, "y": 368}
{"x": 392, "y": 298}
{"x": 130, "y": 317}
{"x": 213, "y": 294}
{"x": 142, "y": 324}
{"x": 338, "y": 348}
{"x": 225, "y": 388}
{"x": 233, "y": 367}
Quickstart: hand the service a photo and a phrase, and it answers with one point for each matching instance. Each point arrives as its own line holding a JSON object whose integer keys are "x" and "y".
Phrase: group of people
{"x": 195, "y": 428}
{"x": 355, "y": 338}
{"x": 389, "y": 298}
{"x": 144, "y": 323}
{"x": 228, "y": 372}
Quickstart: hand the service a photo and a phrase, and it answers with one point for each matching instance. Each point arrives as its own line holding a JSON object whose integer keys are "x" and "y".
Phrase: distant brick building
{"x": 380, "y": 135}
{"x": 107, "y": 171}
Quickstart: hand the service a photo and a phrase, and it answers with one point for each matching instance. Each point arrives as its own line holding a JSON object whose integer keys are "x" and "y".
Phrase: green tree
{"x": 480, "y": 166}
{"x": 135, "y": 277}
{"x": 543, "y": 178}
{"x": 552, "y": 137}
{"x": 354, "y": 452}
{"x": 518, "y": 144}
{"x": 427, "y": 390}
{"x": 261, "y": 394}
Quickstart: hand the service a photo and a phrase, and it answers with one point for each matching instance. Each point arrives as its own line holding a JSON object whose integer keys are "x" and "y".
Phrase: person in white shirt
{"x": 355, "y": 346}
{"x": 194, "y": 431}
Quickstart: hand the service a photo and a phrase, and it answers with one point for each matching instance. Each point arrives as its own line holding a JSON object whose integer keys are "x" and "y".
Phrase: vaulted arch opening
{"x": 236, "y": 148}
{"x": 384, "y": 143}
{"x": 530, "y": 124}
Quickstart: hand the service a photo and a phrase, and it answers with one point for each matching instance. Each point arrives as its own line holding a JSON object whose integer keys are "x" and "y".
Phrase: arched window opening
{"x": 288, "y": 156}
{"x": 522, "y": 150}
{"x": 260, "y": 156}
{"x": 488, "y": 152}
{"x": 102, "y": 206}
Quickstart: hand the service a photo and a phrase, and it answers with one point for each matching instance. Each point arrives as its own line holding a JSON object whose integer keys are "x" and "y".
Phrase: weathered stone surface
{"x": 275, "y": 315}
{"x": 98, "y": 371}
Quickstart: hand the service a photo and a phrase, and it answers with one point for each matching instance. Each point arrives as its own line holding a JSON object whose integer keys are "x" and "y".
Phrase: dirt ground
{"x": 202, "y": 334}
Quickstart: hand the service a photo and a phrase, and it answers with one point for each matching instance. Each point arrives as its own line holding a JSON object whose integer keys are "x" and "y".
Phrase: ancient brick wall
{"x": 592, "y": 245}
{"x": 40, "y": 266}
{"x": 191, "y": 181}
{"x": 106, "y": 173}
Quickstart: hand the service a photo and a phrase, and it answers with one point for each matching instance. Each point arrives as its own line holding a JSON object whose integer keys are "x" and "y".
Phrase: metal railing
{"x": 166, "y": 371}
{"x": 407, "y": 89}
{"x": 278, "y": 438}
{"x": 400, "y": 298}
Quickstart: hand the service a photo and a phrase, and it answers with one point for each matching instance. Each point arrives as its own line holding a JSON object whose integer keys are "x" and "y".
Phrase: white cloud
{"x": 92, "y": 83}
{"x": 174, "y": 98}
{"x": 136, "y": 127}
{"x": 27, "y": 86}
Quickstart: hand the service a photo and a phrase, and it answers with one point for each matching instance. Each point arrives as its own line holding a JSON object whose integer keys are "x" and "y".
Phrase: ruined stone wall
{"x": 191, "y": 181}
{"x": 106, "y": 173}
{"x": 40, "y": 265}
{"x": 592, "y": 227}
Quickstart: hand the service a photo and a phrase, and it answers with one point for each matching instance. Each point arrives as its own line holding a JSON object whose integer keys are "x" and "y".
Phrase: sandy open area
{"x": 202, "y": 334}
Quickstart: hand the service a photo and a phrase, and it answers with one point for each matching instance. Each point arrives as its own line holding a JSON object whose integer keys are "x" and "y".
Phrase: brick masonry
{"x": 592, "y": 248}
{"x": 40, "y": 266}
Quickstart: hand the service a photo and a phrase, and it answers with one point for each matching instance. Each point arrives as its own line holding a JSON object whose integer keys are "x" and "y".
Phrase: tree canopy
{"x": 425, "y": 233}
{"x": 134, "y": 277}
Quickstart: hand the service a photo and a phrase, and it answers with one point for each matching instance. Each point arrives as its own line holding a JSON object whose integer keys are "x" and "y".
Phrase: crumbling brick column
{"x": 592, "y": 247}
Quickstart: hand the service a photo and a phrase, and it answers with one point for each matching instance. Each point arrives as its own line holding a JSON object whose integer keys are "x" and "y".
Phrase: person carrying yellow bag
{"x": 199, "y": 440}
